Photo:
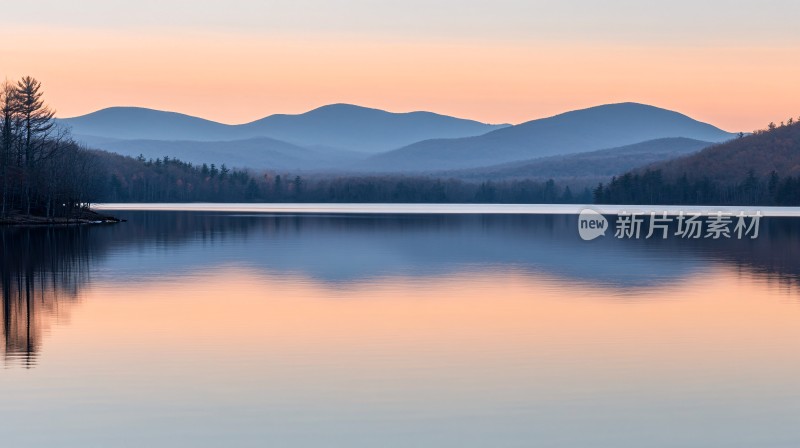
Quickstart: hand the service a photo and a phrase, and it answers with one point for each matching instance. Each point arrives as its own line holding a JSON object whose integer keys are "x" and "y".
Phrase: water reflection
{"x": 42, "y": 272}
{"x": 213, "y": 329}
{"x": 44, "y": 269}
{"x": 352, "y": 248}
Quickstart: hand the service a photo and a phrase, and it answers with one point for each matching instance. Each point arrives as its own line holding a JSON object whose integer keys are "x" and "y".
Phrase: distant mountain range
{"x": 339, "y": 126}
{"x": 596, "y": 128}
{"x": 349, "y": 138}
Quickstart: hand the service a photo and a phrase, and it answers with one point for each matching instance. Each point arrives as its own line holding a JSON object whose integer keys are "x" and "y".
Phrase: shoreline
{"x": 447, "y": 208}
{"x": 82, "y": 217}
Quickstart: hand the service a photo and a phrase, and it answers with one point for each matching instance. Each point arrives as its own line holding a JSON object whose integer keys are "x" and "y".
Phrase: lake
{"x": 374, "y": 326}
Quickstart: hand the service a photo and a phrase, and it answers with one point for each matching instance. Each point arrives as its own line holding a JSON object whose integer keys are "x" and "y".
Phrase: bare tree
{"x": 9, "y": 118}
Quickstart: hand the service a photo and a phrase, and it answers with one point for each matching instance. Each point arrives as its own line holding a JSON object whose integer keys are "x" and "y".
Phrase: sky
{"x": 735, "y": 64}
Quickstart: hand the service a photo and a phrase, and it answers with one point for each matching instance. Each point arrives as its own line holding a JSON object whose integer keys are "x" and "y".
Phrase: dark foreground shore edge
{"x": 81, "y": 217}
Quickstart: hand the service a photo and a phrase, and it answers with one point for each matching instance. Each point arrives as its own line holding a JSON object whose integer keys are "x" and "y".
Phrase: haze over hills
{"x": 591, "y": 129}
{"x": 258, "y": 153}
{"x": 594, "y": 165}
{"x": 341, "y": 126}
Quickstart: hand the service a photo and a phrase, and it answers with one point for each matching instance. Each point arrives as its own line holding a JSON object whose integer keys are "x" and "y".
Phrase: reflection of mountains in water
{"x": 44, "y": 268}
{"x": 352, "y": 248}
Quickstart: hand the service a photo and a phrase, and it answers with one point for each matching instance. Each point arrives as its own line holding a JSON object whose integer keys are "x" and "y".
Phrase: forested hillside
{"x": 758, "y": 169}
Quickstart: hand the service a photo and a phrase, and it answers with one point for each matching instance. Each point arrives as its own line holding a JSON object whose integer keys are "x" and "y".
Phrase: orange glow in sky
{"x": 236, "y": 77}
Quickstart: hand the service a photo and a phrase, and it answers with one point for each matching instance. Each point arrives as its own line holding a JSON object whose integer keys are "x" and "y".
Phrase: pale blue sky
{"x": 677, "y": 21}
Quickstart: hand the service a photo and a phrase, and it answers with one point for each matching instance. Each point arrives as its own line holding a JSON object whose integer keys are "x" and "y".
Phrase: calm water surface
{"x": 236, "y": 328}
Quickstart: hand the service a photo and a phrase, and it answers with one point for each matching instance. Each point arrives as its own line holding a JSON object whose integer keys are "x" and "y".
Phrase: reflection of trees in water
{"x": 44, "y": 268}
{"x": 42, "y": 271}
{"x": 773, "y": 256}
